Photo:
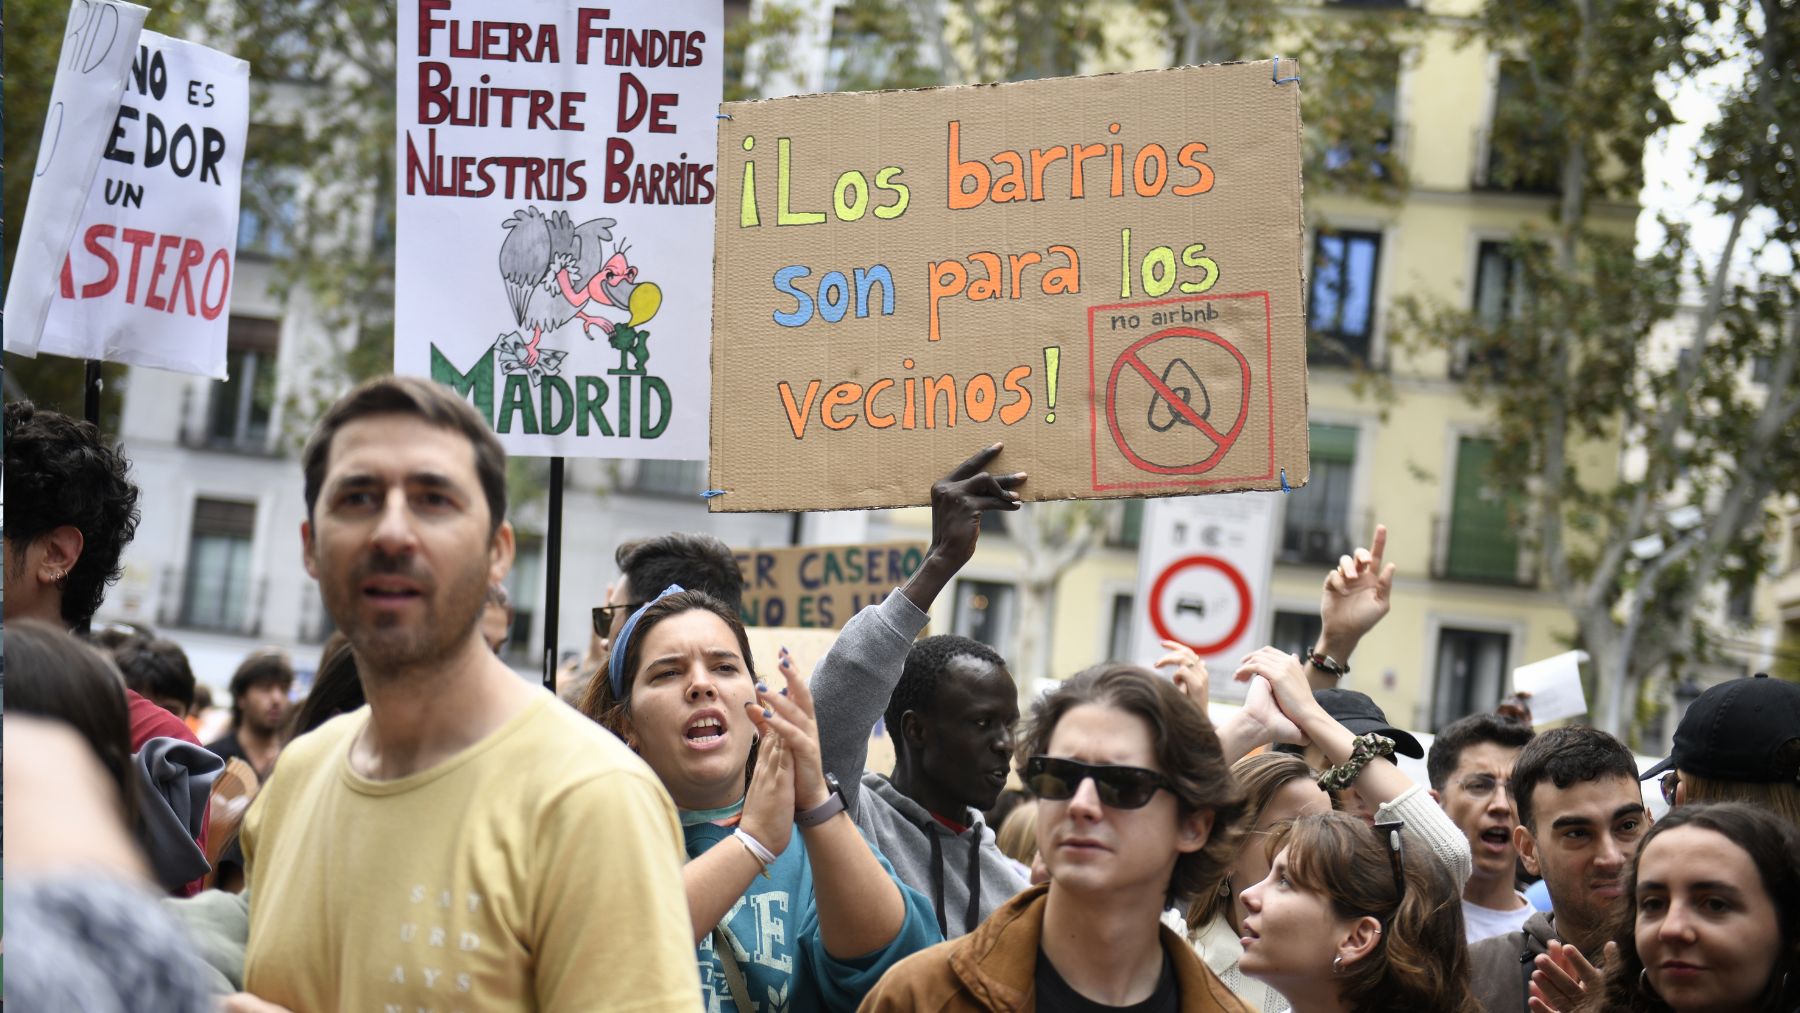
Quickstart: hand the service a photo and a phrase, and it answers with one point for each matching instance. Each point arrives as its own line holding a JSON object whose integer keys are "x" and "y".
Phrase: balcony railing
{"x": 1478, "y": 553}
{"x": 225, "y": 602}
{"x": 1309, "y": 538}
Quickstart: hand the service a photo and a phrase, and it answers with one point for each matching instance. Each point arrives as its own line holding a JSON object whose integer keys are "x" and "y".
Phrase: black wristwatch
{"x": 833, "y": 804}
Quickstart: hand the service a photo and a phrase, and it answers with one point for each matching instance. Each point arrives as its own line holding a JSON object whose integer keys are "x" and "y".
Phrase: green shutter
{"x": 1333, "y": 443}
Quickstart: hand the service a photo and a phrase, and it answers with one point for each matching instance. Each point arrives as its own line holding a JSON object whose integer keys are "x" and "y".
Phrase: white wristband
{"x": 763, "y": 855}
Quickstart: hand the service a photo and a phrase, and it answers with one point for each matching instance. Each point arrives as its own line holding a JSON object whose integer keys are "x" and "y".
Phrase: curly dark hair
{"x": 1447, "y": 748}
{"x": 1563, "y": 756}
{"x": 1771, "y": 843}
{"x": 60, "y": 471}
{"x": 925, "y": 665}
{"x": 1187, "y": 753}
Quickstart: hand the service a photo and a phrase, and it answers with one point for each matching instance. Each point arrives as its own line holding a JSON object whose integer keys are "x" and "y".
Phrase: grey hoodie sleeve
{"x": 854, "y": 681}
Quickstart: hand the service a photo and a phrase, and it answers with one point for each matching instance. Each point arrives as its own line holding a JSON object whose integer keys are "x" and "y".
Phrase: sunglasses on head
{"x": 1389, "y": 833}
{"x": 603, "y": 616}
{"x": 1056, "y": 780}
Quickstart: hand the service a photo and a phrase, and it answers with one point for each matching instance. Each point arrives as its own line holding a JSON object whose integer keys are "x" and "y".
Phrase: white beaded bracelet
{"x": 764, "y": 857}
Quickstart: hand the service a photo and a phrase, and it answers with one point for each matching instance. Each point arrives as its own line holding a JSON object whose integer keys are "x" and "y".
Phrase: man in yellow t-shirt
{"x": 464, "y": 842}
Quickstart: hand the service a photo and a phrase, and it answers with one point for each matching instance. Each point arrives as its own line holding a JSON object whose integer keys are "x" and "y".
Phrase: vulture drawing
{"x": 556, "y": 272}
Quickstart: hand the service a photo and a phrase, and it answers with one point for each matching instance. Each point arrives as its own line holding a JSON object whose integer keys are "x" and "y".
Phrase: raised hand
{"x": 957, "y": 503}
{"x": 1286, "y": 677}
{"x": 790, "y": 714}
{"x": 1270, "y": 722}
{"x": 1358, "y": 593}
{"x": 1190, "y": 671}
{"x": 959, "y": 499}
{"x": 1563, "y": 977}
{"x": 769, "y": 804}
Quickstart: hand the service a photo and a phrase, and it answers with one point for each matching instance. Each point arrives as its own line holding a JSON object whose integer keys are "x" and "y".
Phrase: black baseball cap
{"x": 1735, "y": 731}
{"x": 1360, "y": 714}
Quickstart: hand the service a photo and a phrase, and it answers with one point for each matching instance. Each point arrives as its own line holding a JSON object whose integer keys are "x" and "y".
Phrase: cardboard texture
{"x": 554, "y": 201}
{"x": 808, "y": 648}
{"x": 822, "y": 586}
{"x": 1103, "y": 272}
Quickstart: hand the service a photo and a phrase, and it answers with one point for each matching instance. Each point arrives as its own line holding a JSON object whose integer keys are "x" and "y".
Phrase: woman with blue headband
{"x": 791, "y": 907}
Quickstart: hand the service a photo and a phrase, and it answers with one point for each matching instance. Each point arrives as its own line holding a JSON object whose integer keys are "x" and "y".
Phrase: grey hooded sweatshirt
{"x": 965, "y": 875}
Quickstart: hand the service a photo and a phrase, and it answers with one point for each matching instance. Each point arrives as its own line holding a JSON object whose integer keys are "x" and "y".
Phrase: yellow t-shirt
{"x": 539, "y": 869}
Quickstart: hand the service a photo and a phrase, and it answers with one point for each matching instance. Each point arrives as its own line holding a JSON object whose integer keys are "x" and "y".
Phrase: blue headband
{"x": 615, "y": 665}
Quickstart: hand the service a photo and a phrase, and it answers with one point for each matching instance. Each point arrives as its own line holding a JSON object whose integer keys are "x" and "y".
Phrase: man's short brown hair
{"x": 410, "y": 395}
{"x": 1187, "y": 753}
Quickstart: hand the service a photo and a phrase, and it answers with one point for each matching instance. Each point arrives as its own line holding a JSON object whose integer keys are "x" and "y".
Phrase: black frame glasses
{"x": 1391, "y": 839}
{"x": 1055, "y": 779}
{"x": 603, "y": 616}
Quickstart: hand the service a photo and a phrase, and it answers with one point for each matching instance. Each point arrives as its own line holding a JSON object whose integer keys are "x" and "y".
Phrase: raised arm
{"x": 856, "y": 678}
{"x": 860, "y": 906}
{"x": 1357, "y": 594}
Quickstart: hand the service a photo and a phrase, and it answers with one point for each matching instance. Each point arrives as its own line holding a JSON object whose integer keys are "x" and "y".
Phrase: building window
{"x": 524, "y": 583}
{"x": 1296, "y": 632}
{"x": 670, "y": 478}
{"x": 1524, "y": 153}
{"x": 1342, "y": 307}
{"x": 217, "y": 593}
{"x": 1480, "y": 542}
{"x": 1118, "y": 641}
{"x": 1127, "y": 525}
{"x": 1501, "y": 294}
{"x": 1316, "y": 526}
{"x": 270, "y": 205}
{"x": 1471, "y": 673}
{"x": 1377, "y": 125}
{"x": 240, "y": 408}
{"x": 984, "y": 612}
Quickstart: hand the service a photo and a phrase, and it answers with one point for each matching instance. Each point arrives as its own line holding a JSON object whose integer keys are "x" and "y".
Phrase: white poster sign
{"x": 147, "y": 279}
{"x": 1203, "y": 580}
{"x": 555, "y": 217}
{"x": 97, "y": 48}
{"x": 1552, "y": 687}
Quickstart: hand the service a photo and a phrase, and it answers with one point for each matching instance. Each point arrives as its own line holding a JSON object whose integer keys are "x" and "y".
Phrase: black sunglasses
{"x": 1391, "y": 838}
{"x": 1056, "y": 780}
{"x": 603, "y": 616}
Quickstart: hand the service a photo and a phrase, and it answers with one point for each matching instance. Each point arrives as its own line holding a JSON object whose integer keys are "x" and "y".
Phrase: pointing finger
{"x": 975, "y": 465}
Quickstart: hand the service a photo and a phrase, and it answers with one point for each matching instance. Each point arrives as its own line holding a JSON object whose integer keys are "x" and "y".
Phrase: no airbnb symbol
{"x": 1189, "y": 426}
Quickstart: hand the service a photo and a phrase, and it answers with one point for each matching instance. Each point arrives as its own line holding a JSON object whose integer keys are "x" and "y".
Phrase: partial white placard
{"x": 1553, "y": 687}
{"x": 97, "y": 48}
{"x": 555, "y": 218}
{"x": 147, "y": 278}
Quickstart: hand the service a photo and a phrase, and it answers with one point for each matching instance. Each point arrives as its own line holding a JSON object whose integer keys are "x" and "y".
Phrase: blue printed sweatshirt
{"x": 774, "y": 928}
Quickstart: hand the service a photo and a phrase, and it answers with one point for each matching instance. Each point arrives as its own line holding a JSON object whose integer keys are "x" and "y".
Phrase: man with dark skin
{"x": 949, "y": 704}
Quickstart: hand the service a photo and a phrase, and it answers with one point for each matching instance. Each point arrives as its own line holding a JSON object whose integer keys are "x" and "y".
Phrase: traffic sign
{"x": 1203, "y": 579}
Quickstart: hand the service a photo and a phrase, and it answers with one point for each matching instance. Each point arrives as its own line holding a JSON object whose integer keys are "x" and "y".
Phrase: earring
{"x": 56, "y": 577}
{"x": 1337, "y": 964}
{"x": 1644, "y": 984}
{"x": 1225, "y": 888}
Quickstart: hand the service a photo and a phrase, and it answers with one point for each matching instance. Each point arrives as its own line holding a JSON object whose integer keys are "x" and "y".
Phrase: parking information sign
{"x": 1203, "y": 579}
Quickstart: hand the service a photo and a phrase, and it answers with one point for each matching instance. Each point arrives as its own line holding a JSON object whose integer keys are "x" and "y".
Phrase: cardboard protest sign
{"x": 148, "y": 278}
{"x": 555, "y": 193}
{"x": 1103, "y": 272}
{"x": 97, "y": 50}
{"x": 822, "y": 586}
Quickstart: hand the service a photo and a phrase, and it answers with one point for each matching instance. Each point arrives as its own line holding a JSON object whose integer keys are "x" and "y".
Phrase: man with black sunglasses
{"x": 1136, "y": 807}
{"x": 647, "y": 565}
{"x": 949, "y": 705}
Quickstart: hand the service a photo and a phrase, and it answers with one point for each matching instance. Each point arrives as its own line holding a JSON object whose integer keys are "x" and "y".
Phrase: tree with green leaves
{"x": 1692, "y": 364}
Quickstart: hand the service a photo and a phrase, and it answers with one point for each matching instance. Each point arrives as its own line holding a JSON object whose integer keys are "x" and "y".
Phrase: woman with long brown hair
{"x": 791, "y": 907}
{"x": 1348, "y": 920}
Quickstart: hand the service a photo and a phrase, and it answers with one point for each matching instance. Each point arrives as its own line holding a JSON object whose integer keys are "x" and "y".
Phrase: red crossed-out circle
{"x": 1230, "y": 573}
{"x": 1130, "y": 357}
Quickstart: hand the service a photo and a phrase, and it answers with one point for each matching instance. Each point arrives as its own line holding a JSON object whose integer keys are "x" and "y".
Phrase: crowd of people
{"x": 676, "y": 830}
